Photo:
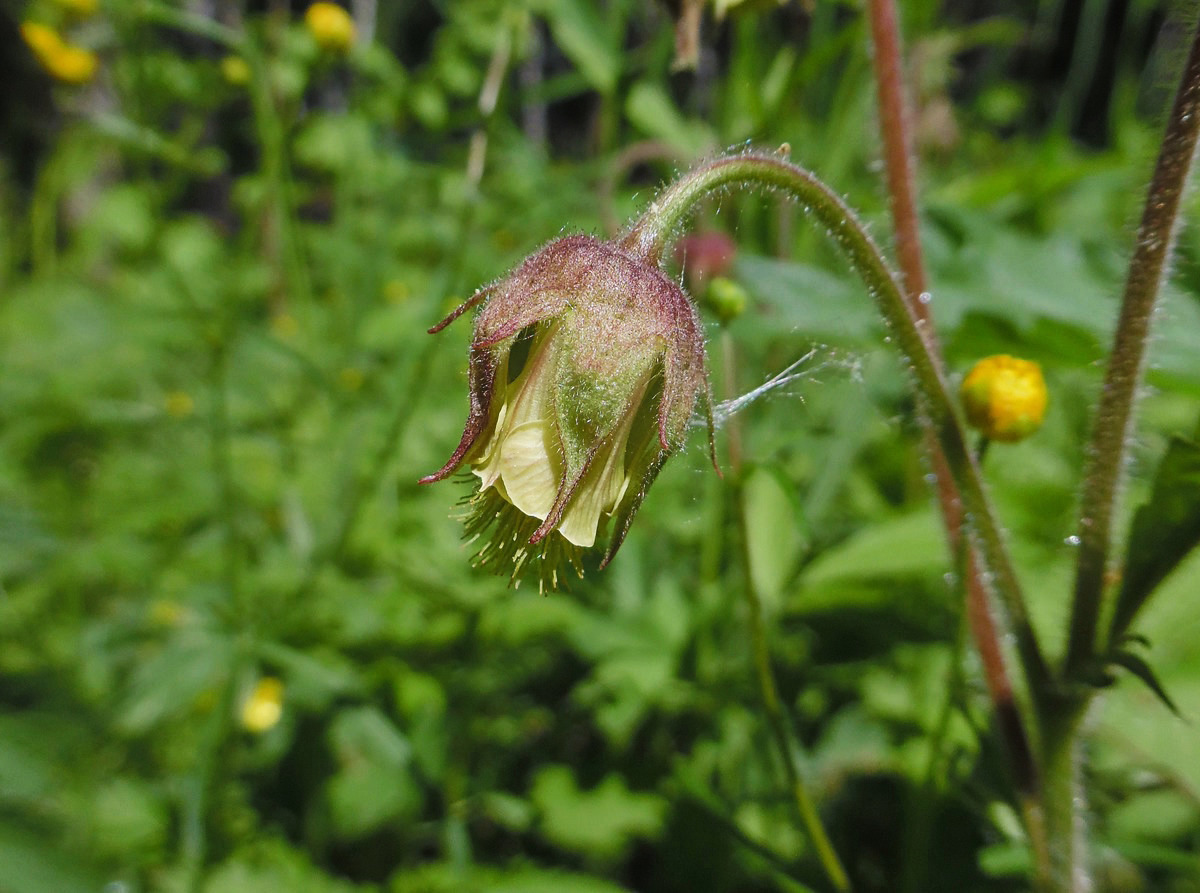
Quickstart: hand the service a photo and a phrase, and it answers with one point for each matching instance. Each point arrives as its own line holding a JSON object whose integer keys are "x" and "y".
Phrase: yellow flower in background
{"x": 263, "y": 709}
{"x": 284, "y": 325}
{"x": 331, "y": 26}
{"x": 81, "y": 8}
{"x": 235, "y": 70}
{"x": 1005, "y": 397}
{"x": 351, "y": 378}
{"x": 41, "y": 38}
{"x": 179, "y": 404}
{"x": 65, "y": 62}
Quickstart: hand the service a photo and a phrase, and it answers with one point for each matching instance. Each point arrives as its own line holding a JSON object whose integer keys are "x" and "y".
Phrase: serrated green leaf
{"x": 601, "y": 821}
{"x": 1163, "y": 531}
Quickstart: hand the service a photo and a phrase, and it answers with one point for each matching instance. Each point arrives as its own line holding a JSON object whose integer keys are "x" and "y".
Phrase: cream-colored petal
{"x": 529, "y": 395}
{"x": 487, "y": 466}
{"x": 524, "y": 401}
{"x": 529, "y": 468}
{"x": 597, "y": 494}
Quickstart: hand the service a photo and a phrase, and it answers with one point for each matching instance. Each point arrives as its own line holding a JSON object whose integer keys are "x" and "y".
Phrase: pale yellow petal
{"x": 597, "y": 494}
{"x": 530, "y": 470}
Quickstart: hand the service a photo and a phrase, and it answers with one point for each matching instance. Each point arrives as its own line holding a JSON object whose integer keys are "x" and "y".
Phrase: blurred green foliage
{"x": 217, "y": 396}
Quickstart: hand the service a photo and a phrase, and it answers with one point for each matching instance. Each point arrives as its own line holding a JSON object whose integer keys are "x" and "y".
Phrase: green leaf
{"x": 909, "y": 545}
{"x": 193, "y": 663}
{"x": 581, "y": 34}
{"x": 364, "y": 798}
{"x": 1163, "y": 531}
{"x": 450, "y": 878}
{"x": 807, "y": 299}
{"x": 1139, "y": 668}
{"x": 773, "y": 536}
{"x": 34, "y": 863}
{"x": 651, "y": 110}
{"x": 269, "y": 865}
{"x": 600, "y": 822}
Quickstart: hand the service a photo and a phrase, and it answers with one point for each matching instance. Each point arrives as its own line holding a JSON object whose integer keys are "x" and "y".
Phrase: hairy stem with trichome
{"x": 986, "y": 631}
{"x": 649, "y": 235}
{"x": 1123, "y": 377}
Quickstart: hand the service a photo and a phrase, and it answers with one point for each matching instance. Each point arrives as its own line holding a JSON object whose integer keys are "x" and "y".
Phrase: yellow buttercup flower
{"x": 42, "y": 39}
{"x": 351, "y": 378}
{"x": 65, "y": 62}
{"x": 179, "y": 404}
{"x": 331, "y": 26}
{"x": 1005, "y": 397}
{"x": 235, "y": 70}
{"x": 263, "y": 709}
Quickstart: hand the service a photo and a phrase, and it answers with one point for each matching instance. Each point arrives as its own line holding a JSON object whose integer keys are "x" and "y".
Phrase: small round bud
{"x": 1005, "y": 397}
{"x": 331, "y": 27}
{"x": 726, "y": 298}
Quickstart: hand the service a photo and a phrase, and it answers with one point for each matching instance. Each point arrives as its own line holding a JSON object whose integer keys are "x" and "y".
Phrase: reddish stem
{"x": 899, "y": 165}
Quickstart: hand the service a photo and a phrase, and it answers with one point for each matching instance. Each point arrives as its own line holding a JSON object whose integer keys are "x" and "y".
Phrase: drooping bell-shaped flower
{"x": 585, "y": 366}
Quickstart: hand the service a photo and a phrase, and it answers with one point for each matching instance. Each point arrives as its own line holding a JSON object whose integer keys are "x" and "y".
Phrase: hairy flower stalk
{"x": 585, "y": 367}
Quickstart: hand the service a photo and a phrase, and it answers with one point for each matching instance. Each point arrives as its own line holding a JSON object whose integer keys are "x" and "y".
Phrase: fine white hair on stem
{"x": 724, "y": 410}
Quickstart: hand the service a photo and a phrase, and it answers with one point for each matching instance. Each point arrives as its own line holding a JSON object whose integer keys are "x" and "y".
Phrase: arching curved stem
{"x": 648, "y": 238}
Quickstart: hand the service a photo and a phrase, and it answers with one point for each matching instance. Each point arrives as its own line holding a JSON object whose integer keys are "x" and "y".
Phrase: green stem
{"x": 648, "y": 236}
{"x": 778, "y": 722}
{"x": 1063, "y": 867}
{"x": 283, "y": 243}
{"x": 1110, "y": 437}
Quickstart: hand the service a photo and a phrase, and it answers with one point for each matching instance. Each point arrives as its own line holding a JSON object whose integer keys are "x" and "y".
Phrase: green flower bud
{"x": 585, "y": 366}
{"x": 727, "y": 299}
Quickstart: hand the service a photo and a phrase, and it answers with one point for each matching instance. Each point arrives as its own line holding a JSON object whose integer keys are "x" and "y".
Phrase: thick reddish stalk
{"x": 899, "y": 170}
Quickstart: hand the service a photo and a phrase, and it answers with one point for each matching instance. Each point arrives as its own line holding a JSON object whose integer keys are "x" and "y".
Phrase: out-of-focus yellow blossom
{"x": 179, "y": 404}
{"x": 331, "y": 26}
{"x": 235, "y": 70}
{"x": 66, "y": 63}
{"x": 1005, "y": 397}
{"x": 263, "y": 709}
{"x": 42, "y": 39}
{"x": 81, "y": 8}
{"x": 351, "y": 378}
{"x": 395, "y": 291}
{"x": 165, "y": 612}
{"x": 284, "y": 325}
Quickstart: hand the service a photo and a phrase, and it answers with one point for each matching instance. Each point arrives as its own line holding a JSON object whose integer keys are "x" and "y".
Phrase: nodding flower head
{"x": 585, "y": 366}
